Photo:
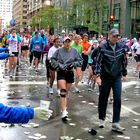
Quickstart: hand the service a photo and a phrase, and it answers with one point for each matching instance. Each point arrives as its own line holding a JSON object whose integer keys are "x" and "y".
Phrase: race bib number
{"x": 37, "y": 47}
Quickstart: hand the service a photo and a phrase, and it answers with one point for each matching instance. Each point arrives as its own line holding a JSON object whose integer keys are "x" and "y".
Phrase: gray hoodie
{"x": 63, "y": 59}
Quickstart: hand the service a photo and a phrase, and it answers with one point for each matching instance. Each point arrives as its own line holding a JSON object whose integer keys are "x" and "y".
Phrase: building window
{"x": 24, "y": 17}
{"x": 117, "y": 11}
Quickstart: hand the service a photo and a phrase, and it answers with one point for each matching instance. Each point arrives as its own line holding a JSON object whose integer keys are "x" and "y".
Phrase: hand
{"x": 70, "y": 67}
{"x": 98, "y": 81}
{"x": 62, "y": 66}
{"x": 42, "y": 114}
{"x": 124, "y": 78}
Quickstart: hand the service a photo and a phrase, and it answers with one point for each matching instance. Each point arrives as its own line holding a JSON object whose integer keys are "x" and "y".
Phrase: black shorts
{"x": 37, "y": 54}
{"x": 15, "y": 54}
{"x": 68, "y": 76}
{"x": 85, "y": 62}
{"x": 24, "y": 48}
{"x": 137, "y": 58}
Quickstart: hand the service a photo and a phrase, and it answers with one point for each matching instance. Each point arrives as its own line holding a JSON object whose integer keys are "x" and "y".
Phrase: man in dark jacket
{"x": 110, "y": 69}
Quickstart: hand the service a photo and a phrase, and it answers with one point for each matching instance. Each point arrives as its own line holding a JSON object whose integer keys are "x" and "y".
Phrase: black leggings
{"x": 85, "y": 61}
{"x": 31, "y": 57}
{"x": 48, "y": 69}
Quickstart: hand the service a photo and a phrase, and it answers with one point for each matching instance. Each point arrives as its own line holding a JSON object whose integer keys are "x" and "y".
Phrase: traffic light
{"x": 111, "y": 18}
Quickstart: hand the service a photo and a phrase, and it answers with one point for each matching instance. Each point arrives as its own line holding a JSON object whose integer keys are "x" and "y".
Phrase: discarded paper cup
{"x": 44, "y": 104}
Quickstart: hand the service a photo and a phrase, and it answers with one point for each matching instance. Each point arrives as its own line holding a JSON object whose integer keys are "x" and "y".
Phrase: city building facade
{"x": 5, "y": 13}
{"x": 126, "y": 17}
{"x": 35, "y": 5}
{"x": 20, "y": 13}
{"x": 62, "y": 3}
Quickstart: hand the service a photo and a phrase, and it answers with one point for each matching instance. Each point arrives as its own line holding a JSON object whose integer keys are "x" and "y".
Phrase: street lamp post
{"x": 110, "y": 20}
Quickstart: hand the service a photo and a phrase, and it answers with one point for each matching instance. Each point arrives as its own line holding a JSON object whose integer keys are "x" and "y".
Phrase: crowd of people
{"x": 69, "y": 56}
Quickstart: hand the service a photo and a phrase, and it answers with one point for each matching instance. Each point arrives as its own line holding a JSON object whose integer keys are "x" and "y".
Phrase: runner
{"x": 52, "y": 50}
{"x": 13, "y": 41}
{"x": 45, "y": 41}
{"x": 92, "y": 63}
{"x": 25, "y": 47}
{"x": 136, "y": 49}
{"x": 61, "y": 38}
{"x": 64, "y": 60}
{"x": 76, "y": 45}
{"x": 37, "y": 48}
{"x": 71, "y": 36}
{"x": 85, "y": 52}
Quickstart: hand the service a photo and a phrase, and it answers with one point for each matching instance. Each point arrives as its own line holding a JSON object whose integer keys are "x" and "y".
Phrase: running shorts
{"x": 68, "y": 76}
{"x": 24, "y": 48}
{"x": 15, "y": 54}
{"x": 37, "y": 54}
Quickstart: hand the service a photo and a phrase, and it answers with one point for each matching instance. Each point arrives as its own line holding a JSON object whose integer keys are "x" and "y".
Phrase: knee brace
{"x": 63, "y": 93}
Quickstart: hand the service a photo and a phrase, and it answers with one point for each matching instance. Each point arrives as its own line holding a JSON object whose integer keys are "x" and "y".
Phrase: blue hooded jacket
{"x": 15, "y": 114}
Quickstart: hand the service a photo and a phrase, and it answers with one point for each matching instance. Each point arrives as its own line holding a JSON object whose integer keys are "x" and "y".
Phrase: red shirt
{"x": 86, "y": 45}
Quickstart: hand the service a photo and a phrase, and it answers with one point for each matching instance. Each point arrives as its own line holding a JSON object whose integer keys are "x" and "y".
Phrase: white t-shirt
{"x": 51, "y": 51}
{"x": 137, "y": 47}
{"x": 26, "y": 41}
{"x": 13, "y": 43}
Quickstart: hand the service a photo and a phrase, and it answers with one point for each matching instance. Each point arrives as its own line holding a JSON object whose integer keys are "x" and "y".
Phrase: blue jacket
{"x": 37, "y": 44}
{"x": 45, "y": 39}
{"x": 3, "y": 55}
{"x": 15, "y": 114}
{"x": 3, "y": 50}
{"x": 110, "y": 64}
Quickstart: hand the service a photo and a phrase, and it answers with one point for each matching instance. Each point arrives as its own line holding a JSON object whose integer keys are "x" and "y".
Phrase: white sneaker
{"x": 117, "y": 127}
{"x": 76, "y": 90}
{"x": 51, "y": 90}
{"x": 36, "y": 69}
{"x": 82, "y": 81}
{"x": 64, "y": 114}
{"x": 101, "y": 123}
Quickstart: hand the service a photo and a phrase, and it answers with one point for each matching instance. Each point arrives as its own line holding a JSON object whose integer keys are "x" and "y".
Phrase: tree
{"x": 89, "y": 13}
{"x": 81, "y": 13}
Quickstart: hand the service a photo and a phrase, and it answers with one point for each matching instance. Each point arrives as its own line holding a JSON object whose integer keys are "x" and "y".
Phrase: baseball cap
{"x": 95, "y": 41}
{"x": 63, "y": 31}
{"x": 114, "y": 32}
{"x": 67, "y": 38}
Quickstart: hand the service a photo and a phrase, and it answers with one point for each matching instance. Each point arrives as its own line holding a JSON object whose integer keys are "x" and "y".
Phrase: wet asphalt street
{"x": 27, "y": 88}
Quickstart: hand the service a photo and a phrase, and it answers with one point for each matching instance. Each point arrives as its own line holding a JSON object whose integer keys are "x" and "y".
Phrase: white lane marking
{"x": 37, "y": 76}
{"x": 25, "y": 83}
{"x": 128, "y": 84}
{"x": 130, "y": 110}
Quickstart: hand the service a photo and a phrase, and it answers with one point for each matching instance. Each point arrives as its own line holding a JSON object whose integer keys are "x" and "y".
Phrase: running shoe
{"x": 51, "y": 90}
{"x": 64, "y": 116}
{"x": 65, "y": 119}
{"x": 117, "y": 127}
{"x": 101, "y": 123}
{"x": 76, "y": 90}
